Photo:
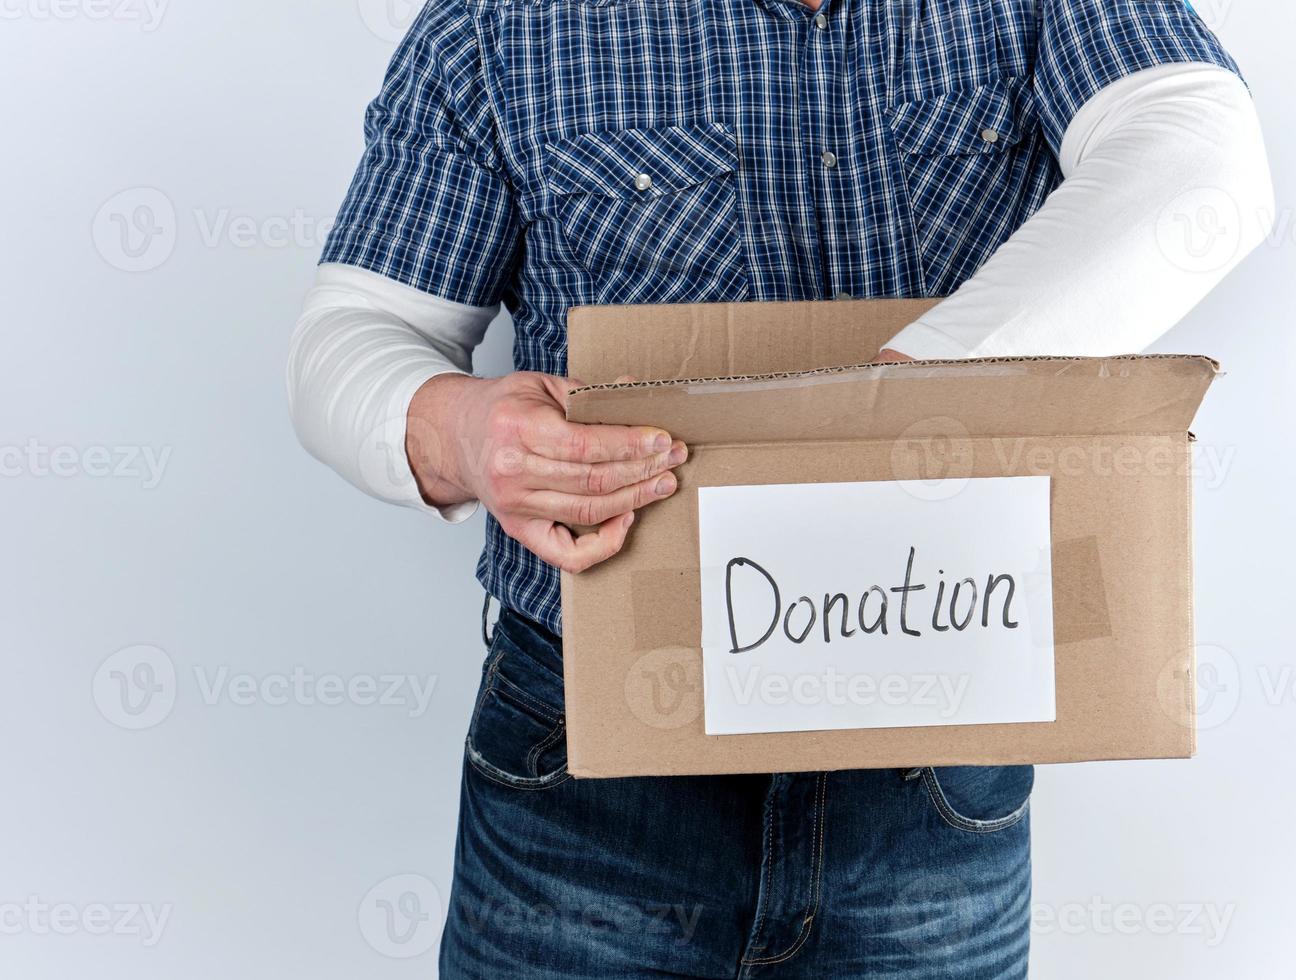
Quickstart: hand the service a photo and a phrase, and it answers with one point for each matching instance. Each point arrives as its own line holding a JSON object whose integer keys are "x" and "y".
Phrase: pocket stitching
{"x": 587, "y": 201}
{"x": 566, "y": 178}
{"x": 533, "y": 757}
{"x": 513, "y": 691}
{"x": 530, "y": 783}
{"x": 967, "y": 824}
{"x": 493, "y": 772}
{"x": 487, "y": 687}
{"x": 1003, "y": 98}
{"x": 504, "y": 778}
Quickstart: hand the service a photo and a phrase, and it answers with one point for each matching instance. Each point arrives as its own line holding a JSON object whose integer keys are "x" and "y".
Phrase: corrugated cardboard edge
{"x": 899, "y": 367}
{"x": 579, "y": 771}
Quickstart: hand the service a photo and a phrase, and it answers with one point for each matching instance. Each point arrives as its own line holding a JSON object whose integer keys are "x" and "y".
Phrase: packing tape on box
{"x": 1084, "y": 616}
{"x": 675, "y": 589}
{"x": 808, "y": 379}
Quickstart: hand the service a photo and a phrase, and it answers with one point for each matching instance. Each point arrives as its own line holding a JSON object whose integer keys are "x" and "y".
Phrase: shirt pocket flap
{"x": 640, "y": 163}
{"x": 986, "y": 118}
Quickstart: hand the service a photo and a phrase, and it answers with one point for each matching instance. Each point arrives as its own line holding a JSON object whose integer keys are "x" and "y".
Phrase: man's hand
{"x": 507, "y": 442}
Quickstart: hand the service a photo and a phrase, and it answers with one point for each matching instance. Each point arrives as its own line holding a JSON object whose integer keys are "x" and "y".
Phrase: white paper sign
{"x": 867, "y": 605}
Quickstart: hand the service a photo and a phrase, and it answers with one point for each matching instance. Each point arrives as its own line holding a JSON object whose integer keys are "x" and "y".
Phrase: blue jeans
{"x": 919, "y": 874}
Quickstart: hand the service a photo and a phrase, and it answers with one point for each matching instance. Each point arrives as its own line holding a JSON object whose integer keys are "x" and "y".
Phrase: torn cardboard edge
{"x": 903, "y": 367}
{"x": 956, "y": 399}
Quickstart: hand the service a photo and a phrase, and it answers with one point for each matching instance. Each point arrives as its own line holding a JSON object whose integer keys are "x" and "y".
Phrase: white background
{"x": 263, "y": 827}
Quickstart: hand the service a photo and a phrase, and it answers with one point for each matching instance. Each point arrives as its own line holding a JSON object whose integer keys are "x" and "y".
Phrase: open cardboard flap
{"x": 782, "y": 393}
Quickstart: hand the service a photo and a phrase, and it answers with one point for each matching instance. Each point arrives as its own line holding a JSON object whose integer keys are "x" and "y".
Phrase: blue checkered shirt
{"x": 555, "y": 153}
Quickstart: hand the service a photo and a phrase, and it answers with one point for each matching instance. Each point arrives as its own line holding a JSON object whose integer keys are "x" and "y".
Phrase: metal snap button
{"x": 990, "y": 135}
{"x": 643, "y": 182}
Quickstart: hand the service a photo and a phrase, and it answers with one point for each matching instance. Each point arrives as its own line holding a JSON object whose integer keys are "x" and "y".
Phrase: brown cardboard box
{"x": 1112, "y": 433}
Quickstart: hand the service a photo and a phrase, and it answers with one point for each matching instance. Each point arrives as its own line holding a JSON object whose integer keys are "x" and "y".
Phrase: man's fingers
{"x": 586, "y": 511}
{"x": 574, "y": 553}
{"x": 597, "y": 479}
{"x": 556, "y": 438}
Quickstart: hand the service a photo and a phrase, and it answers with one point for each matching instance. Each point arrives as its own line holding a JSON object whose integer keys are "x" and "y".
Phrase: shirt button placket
{"x": 821, "y": 85}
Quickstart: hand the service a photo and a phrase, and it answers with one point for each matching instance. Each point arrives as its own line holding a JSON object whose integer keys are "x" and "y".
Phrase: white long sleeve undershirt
{"x": 1108, "y": 263}
{"x": 1105, "y": 266}
{"x": 363, "y": 347}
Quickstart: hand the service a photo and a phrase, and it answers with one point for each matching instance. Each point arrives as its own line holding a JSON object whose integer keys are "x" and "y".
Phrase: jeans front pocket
{"x": 652, "y": 214}
{"x": 518, "y": 735}
{"x": 978, "y": 799}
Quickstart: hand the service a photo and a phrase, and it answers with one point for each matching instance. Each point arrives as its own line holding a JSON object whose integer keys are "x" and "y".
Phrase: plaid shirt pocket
{"x": 982, "y": 119}
{"x": 652, "y": 208}
{"x": 983, "y": 139}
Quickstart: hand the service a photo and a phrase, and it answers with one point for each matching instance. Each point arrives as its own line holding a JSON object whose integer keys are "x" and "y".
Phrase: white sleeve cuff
{"x": 383, "y": 461}
{"x": 924, "y": 342}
